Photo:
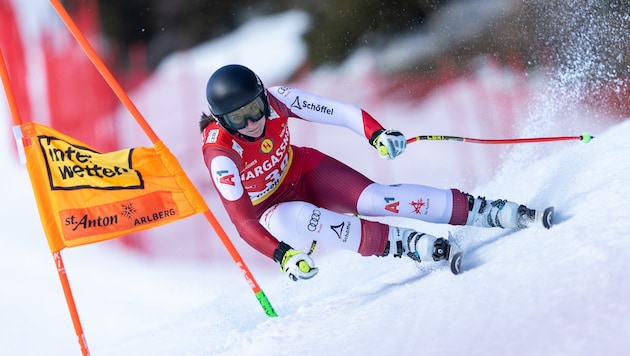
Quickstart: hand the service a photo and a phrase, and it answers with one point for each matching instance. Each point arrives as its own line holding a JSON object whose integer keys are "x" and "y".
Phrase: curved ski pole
{"x": 585, "y": 137}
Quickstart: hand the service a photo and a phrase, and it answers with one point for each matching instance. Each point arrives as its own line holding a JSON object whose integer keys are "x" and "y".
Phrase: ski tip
{"x": 547, "y": 218}
{"x": 456, "y": 263}
{"x": 454, "y": 255}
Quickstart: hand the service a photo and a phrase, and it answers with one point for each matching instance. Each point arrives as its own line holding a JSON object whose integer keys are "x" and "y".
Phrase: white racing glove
{"x": 296, "y": 264}
{"x": 390, "y": 144}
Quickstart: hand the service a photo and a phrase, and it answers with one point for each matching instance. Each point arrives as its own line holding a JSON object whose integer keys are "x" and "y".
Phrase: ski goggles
{"x": 238, "y": 118}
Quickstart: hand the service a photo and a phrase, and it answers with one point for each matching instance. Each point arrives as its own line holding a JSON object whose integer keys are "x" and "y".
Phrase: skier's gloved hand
{"x": 390, "y": 143}
{"x": 296, "y": 264}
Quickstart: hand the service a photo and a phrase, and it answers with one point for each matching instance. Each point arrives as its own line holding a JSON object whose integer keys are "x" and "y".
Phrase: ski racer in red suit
{"x": 283, "y": 199}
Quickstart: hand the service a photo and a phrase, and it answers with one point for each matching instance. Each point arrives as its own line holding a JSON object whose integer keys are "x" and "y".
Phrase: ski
{"x": 455, "y": 262}
{"x": 454, "y": 255}
{"x": 547, "y": 217}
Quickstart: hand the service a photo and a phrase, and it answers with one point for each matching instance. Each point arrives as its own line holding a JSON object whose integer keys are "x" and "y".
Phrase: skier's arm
{"x": 307, "y": 106}
{"x": 227, "y": 181}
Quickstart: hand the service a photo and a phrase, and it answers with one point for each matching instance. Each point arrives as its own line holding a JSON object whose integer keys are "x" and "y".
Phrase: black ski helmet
{"x": 232, "y": 87}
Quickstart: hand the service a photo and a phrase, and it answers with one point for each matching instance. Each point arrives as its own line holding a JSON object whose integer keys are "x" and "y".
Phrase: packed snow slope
{"x": 530, "y": 292}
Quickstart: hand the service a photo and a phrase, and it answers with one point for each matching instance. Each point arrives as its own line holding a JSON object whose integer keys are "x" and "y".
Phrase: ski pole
{"x": 585, "y": 137}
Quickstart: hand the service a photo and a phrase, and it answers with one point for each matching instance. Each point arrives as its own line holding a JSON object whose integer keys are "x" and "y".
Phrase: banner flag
{"x": 84, "y": 196}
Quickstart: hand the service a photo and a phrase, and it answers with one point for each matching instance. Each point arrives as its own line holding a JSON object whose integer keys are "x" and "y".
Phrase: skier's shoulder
{"x": 287, "y": 94}
{"x": 217, "y": 141}
{"x": 215, "y": 135}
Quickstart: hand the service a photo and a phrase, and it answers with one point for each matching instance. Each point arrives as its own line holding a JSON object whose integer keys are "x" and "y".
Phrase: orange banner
{"x": 85, "y": 196}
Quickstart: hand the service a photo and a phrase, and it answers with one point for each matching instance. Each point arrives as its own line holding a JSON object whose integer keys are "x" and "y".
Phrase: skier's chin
{"x": 254, "y": 131}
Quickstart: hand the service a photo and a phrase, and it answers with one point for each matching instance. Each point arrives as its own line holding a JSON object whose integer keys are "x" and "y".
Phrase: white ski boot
{"x": 505, "y": 214}
{"x": 424, "y": 247}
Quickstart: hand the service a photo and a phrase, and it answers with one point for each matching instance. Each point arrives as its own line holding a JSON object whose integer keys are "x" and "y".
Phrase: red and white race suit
{"x": 254, "y": 176}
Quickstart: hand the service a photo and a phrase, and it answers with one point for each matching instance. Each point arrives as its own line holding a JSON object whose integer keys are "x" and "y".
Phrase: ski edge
{"x": 454, "y": 256}
{"x": 547, "y": 217}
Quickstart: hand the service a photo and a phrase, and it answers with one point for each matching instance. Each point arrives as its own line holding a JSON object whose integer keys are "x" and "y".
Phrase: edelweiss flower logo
{"x": 128, "y": 211}
{"x": 417, "y": 205}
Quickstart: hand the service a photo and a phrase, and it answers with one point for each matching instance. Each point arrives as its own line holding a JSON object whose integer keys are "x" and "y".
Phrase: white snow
{"x": 531, "y": 292}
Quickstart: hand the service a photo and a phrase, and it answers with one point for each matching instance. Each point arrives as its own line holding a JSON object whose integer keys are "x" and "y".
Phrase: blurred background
{"x": 529, "y": 29}
{"x": 488, "y": 68}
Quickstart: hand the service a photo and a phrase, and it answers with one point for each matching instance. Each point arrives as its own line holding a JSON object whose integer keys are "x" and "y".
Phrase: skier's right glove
{"x": 296, "y": 264}
{"x": 389, "y": 143}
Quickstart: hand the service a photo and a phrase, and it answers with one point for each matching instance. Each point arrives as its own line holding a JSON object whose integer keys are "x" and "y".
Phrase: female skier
{"x": 283, "y": 199}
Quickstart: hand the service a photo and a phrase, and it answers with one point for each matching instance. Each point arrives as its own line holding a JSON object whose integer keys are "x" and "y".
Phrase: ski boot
{"x": 505, "y": 214}
{"x": 424, "y": 247}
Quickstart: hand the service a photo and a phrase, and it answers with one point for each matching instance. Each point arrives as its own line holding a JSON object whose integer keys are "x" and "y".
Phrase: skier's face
{"x": 254, "y": 128}
{"x": 240, "y": 118}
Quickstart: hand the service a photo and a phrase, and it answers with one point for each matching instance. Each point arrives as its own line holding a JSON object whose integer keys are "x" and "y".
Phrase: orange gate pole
{"x": 61, "y": 271}
{"x": 124, "y": 98}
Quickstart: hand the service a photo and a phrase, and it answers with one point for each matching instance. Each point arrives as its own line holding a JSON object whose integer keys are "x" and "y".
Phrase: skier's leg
{"x": 407, "y": 200}
{"x": 299, "y": 224}
{"x": 329, "y": 183}
{"x": 441, "y": 206}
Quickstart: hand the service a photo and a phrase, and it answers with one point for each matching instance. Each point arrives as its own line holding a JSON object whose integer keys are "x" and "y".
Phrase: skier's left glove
{"x": 389, "y": 143}
{"x": 296, "y": 264}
